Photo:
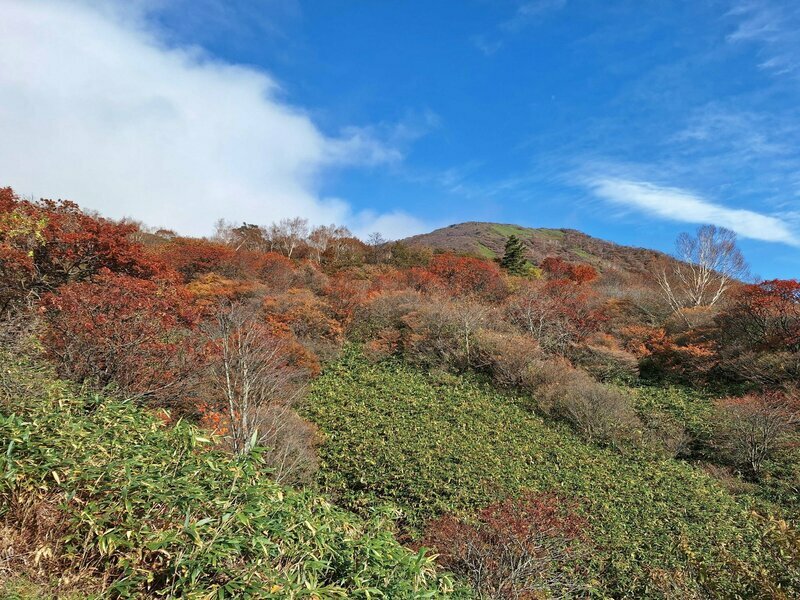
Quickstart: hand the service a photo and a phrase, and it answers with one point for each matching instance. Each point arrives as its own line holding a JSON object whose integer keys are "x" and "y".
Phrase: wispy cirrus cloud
{"x": 527, "y": 12}
{"x": 775, "y": 26}
{"x": 748, "y": 151}
{"x": 531, "y": 10}
{"x": 754, "y": 133}
{"x": 681, "y": 205}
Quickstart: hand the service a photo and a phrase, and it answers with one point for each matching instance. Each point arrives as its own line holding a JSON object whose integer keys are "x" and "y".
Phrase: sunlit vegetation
{"x": 435, "y": 446}
{"x": 101, "y": 497}
{"x": 555, "y": 414}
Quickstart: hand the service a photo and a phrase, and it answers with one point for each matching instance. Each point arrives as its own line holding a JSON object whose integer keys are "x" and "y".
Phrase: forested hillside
{"x": 286, "y": 411}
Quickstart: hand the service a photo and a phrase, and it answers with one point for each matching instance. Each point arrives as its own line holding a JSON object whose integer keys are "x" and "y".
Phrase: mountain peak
{"x": 488, "y": 240}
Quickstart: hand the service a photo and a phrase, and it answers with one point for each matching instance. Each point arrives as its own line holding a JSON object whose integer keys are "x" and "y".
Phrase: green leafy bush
{"x": 96, "y": 488}
{"x": 456, "y": 446}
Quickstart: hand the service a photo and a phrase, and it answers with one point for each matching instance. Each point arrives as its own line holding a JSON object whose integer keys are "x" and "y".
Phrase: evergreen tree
{"x": 514, "y": 258}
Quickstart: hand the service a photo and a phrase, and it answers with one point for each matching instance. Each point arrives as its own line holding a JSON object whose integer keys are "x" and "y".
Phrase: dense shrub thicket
{"x": 454, "y": 446}
{"x": 229, "y": 331}
{"x": 97, "y": 495}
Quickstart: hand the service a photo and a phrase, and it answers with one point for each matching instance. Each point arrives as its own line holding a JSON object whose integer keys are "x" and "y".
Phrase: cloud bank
{"x": 94, "y": 108}
{"x": 680, "y": 205}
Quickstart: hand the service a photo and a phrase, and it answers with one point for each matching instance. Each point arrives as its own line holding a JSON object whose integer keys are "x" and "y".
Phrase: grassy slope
{"x": 694, "y": 411}
{"x": 395, "y": 435}
{"x": 137, "y": 506}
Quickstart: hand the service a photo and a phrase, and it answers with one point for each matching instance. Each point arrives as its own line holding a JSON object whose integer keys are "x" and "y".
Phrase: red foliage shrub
{"x": 275, "y": 270}
{"x": 414, "y": 278}
{"x": 192, "y": 257}
{"x": 346, "y": 295}
{"x": 421, "y": 280}
{"x": 304, "y": 313}
{"x": 583, "y": 273}
{"x": 636, "y": 338}
{"x": 557, "y": 313}
{"x": 20, "y": 235}
{"x": 467, "y": 276}
{"x": 78, "y": 245}
{"x": 558, "y": 268}
{"x": 688, "y": 357}
{"x": 529, "y": 547}
{"x": 765, "y": 315}
{"x": 210, "y": 289}
{"x": 122, "y": 330}
{"x": 195, "y": 257}
{"x": 46, "y": 244}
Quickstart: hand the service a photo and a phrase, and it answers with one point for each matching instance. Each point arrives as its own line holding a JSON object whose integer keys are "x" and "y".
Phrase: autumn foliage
{"x": 528, "y": 547}
{"x": 558, "y": 268}
{"x": 557, "y": 313}
{"x": 118, "y": 329}
{"x": 49, "y": 243}
{"x": 193, "y": 257}
{"x": 766, "y": 315}
{"x": 467, "y": 276}
{"x": 230, "y": 330}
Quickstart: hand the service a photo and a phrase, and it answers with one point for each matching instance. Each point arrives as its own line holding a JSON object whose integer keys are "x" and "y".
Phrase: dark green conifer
{"x": 514, "y": 258}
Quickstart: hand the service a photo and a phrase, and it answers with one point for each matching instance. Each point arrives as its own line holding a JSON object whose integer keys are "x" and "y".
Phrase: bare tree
{"x": 376, "y": 239}
{"x": 707, "y": 264}
{"x": 340, "y": 236}
{"x": 379, "y": 250}
{"x": 753, "y": 427}
{"x": 446, "y": 331}
{"x": 223, "y": 231}
{"x": 253, "y": 374}
{"x": 320, "y": 238}
{"x": 250, "y": 237}
{"x": 288, "y": 234}
{"x": 556, "y": 316}
{"x": 139, "y": 234}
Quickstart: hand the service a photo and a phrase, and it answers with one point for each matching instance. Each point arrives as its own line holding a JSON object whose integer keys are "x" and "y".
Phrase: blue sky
{"x": 631, "y": 121}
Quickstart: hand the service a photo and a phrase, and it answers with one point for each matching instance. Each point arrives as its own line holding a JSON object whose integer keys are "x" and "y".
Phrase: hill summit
{"x": 488, "y": 240}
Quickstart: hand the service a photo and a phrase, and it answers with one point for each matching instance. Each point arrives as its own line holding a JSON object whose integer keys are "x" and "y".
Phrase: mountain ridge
{"x": 487, "y": 240}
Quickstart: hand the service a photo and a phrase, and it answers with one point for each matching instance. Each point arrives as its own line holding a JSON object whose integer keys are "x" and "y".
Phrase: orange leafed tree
{"x": 467, "y": 276}
{"x": 118, "y": 329}
{"x": 766, "y": 314}
{"x": 48, "y": 243}
{"x": 192, "y": 257}
{"x": 557, "y": 268}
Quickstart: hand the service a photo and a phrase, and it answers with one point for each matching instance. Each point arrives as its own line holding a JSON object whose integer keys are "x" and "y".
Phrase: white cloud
{"x": 774, "y": 25}
{"x": 393, "y": 226}
{"x": 681, "y": 205}
{"x": 94, "y": 108}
